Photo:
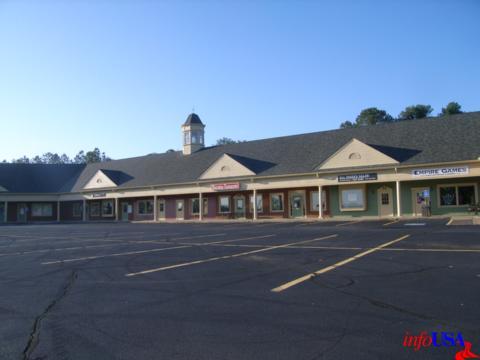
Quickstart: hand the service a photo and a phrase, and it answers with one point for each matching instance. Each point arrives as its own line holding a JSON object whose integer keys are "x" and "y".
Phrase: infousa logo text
{"x": 440, "y": 339}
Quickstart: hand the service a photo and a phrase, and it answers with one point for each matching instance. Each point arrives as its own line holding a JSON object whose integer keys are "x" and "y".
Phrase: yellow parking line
{"x": 391, "y": 222}
{"x": 349, "y": 223}
{"x": 202, "y": 261}
{"x": 334, "y": 266}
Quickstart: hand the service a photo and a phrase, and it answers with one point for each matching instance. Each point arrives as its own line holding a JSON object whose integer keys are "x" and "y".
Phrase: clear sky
{"x": 123, "y": 75}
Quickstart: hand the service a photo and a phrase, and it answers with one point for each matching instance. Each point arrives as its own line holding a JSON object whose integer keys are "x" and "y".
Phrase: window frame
{"x": 282, "y": 202}
{"x": 220, "y": 204}
{"x": 77, "y": 206}
{"x": 111, "y": 202}
{"x": 192, "y": 200}
{"x": 42, "y": 208}
{"x": 361, "y": 187}
{"x": 95, "y": 205}
{"x": 457, "y": 200}
{"x": 146, "y": 207}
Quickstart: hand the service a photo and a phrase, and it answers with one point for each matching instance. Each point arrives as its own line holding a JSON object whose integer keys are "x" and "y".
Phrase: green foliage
{"x": 452, "y": 108}
{"x": 369, "y": 116}
{"x": 418, "y": 111}
{"x": 226, "y": 140}
{"x": 53, "y": 158}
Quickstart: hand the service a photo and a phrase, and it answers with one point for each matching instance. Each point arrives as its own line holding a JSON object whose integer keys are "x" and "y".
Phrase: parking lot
{"x": 289, "y": 290}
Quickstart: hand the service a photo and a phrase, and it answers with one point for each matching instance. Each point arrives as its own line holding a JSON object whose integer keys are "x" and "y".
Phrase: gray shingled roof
{"x": 431, "y": 140}
{"x": 193, "y": 119}
{"x": 39, "y": 178}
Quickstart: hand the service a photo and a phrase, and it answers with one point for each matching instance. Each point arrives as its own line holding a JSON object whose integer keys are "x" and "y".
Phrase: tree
{"x": 53, "y": 158}
{"x": 418, "y": 111}
{"x": 451, "y": 109}
{"x": 369, "y": 116}
{"x": 346, "y": 124}
{"x": 226, "y": 140}
{"x": 373, "y": 116}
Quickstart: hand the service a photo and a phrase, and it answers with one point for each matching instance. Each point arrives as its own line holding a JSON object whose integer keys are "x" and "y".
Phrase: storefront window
{"x": 456, "y": 195}
{"x": 145, "y": 207}
{"x": 95, "y": 209}
{"x": 224, "y": 204}
{"x": 277, "y": 202}
{"x": 314, "y": 201}
{"x": 259, "y": 203}
{"x": 448, "y": 196}
{"x": 352, "y": 199}
{"x": 107, "y": 208}
{"x": 195, "y": 206}
{"x": 42, "y": 210}
{"x": 466, "y": 195}
{"x": 77, "y": 209}
{"x": 205, "y": 206}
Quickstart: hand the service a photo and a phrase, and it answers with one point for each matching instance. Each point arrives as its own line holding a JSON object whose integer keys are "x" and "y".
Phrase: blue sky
{"x": 123, "y": 75}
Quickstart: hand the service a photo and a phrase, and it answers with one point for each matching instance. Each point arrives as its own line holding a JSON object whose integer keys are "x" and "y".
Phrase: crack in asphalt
{"x": 34, "y": 338}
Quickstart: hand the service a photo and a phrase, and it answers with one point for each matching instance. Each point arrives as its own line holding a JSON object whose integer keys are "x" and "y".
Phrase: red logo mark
{"x": 466, "y": 353}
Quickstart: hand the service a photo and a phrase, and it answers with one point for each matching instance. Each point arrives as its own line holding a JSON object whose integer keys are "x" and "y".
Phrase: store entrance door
{"x": 22, "y": 212}
{"x": 297, "y": 205}
{"x": 385, "y": 202}
{"x": 180, "y": 210}
{"x": 124, "y": 207}
{"x": 419, "y": 200}
{"x": 161, "y": 209}
{"x": 239, "y": 210}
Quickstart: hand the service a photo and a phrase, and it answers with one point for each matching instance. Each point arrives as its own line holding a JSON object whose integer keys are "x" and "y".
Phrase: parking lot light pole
{"x": 399, "y": 202}
{"x": 200, "y": 206}
{"x": 255, "y": 211}
{"x": 320, "y": 207}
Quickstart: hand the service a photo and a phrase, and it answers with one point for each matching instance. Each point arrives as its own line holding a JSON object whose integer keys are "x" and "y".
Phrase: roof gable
{"x": 356, "y": 153}
{"x": 2, "y": 189}
{"x": 100, "y": 180}
{"x": 226, "y": 166}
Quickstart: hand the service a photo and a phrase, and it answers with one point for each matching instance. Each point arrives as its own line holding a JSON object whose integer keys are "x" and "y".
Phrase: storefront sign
{"x": 99, "y": 195}
{"x": 357, "y": 177}
{"x": 226, "y": 186}
{"x": 463, "y": 170}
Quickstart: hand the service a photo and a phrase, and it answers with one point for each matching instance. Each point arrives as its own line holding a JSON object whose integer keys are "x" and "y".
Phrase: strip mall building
{"x": 388, "y": 170}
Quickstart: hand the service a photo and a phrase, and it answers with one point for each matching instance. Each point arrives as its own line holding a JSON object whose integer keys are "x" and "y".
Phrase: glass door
{"x": 297, "y": 207}
{"x": 239, "y": 202}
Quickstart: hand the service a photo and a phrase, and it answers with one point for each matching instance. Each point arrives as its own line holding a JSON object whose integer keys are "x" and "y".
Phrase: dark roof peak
{"x": 193, "y": 119}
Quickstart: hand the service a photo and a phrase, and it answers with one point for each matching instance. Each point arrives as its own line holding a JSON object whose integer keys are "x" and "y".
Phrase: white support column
{"x": 5, "y": 215}
{"x": 117, "y": 209}
{"x": 200, "y": 206}
{"x": 155, "y": 208}
{"x": 84, "y": 210}
{"x": 58, "y": 211}
{"x": 255, "y": 211}
{"x": 320, "y": 206}
{"x": 399, "y": 198}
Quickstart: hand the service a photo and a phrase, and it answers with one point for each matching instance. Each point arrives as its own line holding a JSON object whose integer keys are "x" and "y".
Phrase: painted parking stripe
{"x": 188, "y": 245}
{"x": 334, "y": 266}
{"x": 349, "y": 223}
{"x": 391, "y": 222}
{"x": 225, "y": 257}
{"x": 113, "y": 255}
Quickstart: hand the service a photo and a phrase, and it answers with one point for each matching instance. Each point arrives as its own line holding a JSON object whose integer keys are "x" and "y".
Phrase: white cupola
{"x": 193, "y": 134}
